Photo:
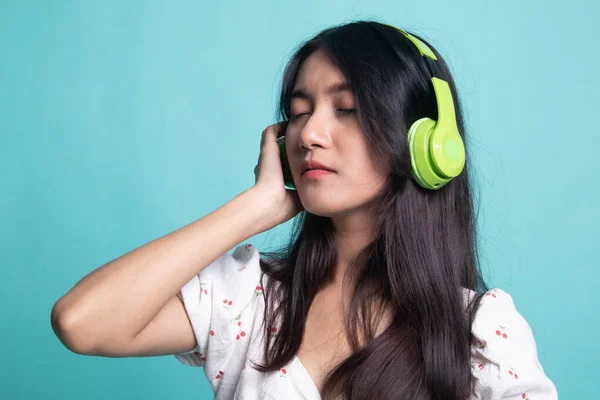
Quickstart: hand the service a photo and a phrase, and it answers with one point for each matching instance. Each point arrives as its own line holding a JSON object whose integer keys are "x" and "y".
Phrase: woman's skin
{"x": 324, "y": 127}
{"x": 129, "y": 306}
{"x": 328, "y": 131}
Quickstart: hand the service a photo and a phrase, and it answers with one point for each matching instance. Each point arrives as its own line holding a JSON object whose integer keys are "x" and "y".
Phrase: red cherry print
{"x": 203, "y": 358}
{"x": 516, "y": 376}
{"x": 237, "y": 337}
{"x": 524, "y": 395}
{"x": 493, "y": 295}
{"x": 225, "y": 301}
{"x": 222, "y": 373}
{"x": 242, "y": 333}
{"x": 231, "y": 302}
{"x": 239, "y": 323}
{"x": 258, "y": 288}
{"x": 283, "y": 371}
{"x": 273, "y": 329}
{"x": 197, "y": 354}
{"x": 501, "y": 331}
{"x": 510, "y": 372}
{"x": 212, "y": 333}
{"x": 218, "y": 377}
{"x": 205, "y": 291}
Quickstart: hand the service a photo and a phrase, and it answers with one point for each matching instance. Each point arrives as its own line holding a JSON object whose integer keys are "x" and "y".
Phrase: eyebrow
{"x": 334, "y": 88}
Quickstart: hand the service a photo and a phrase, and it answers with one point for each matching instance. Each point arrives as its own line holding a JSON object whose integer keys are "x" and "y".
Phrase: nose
{"x": 316, "y": 132}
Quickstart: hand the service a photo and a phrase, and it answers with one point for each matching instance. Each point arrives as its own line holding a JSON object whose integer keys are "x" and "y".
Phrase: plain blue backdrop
{"x": 122, "y": 121}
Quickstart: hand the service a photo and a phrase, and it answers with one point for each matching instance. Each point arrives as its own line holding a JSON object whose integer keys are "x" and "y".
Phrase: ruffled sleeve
{"x": 504, "y": 362}
{"x": 222, "y": 305}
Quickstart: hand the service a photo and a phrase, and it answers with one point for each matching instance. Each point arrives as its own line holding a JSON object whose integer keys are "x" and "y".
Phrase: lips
{"x": 308, "y": 165}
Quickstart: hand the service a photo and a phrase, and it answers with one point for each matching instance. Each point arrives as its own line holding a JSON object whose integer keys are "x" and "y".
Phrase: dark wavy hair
{"x": 424, "y": 251}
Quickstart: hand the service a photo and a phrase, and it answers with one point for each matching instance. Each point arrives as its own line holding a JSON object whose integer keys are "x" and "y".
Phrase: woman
{"x": 378, "y": 294}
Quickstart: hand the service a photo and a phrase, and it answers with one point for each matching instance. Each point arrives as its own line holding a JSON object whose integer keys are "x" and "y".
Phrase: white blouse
{"x": 225, "y": 305}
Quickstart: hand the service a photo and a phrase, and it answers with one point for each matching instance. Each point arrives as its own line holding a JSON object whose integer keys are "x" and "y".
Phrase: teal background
{"x": 121, "y": 121}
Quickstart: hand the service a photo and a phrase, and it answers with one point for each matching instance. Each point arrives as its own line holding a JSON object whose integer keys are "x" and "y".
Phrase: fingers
{"x": 272, "y": 132}
{"x": 269, "y": 135}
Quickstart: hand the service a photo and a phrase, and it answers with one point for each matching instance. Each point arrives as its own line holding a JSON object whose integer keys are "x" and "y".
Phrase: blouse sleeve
{"x": 504, "y": 362}
{"x": 221, "y": 305}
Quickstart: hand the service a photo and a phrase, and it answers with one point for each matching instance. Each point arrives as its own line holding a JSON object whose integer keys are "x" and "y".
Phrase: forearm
{"x": 119, "y": 299}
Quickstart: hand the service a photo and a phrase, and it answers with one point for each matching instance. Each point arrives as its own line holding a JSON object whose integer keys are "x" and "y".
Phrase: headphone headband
{"x": 423, "y": 48}
{"x": 437, "y": 151}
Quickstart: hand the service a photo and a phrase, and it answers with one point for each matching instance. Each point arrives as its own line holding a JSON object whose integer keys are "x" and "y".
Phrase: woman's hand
{"x": 281, "y": 204}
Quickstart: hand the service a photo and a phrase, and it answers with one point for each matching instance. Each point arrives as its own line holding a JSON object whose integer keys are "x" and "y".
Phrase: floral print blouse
{"x": 225, "y": 305}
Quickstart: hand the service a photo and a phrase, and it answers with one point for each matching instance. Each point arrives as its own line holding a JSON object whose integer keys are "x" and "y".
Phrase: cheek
{"x": 365, "y": 182}
{"x": 363, "y": 175}
{"x": 361, "y": 166}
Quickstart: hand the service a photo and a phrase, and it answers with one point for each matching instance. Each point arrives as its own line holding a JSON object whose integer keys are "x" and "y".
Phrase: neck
{"x": 352, "y": 233}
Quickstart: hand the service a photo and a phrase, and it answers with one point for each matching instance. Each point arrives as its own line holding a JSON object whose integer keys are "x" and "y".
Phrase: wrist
{"x": 257, "y": 208}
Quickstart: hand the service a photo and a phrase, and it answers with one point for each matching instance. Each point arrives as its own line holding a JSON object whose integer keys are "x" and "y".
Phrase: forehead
{"x": 317, "y": 73}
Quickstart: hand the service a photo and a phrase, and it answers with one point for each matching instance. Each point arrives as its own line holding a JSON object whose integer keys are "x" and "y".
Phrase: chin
{"x": 320, "y": 211}
{"x": 326, "y": 207}
{"x": 334, "y": 203}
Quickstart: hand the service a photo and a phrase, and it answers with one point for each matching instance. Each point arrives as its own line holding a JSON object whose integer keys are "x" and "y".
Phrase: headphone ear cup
{"x": 288, "y": 180}
{"x": 423, "y": 166}
{"x": 447, "y": 151}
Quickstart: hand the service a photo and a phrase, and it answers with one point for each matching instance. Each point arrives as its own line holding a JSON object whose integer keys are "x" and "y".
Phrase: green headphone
{"x": 437, "y": 152}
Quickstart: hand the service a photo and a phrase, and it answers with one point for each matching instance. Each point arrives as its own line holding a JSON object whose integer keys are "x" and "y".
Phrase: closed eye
{"x": 294, "y": 116}
{"x": 345, "y": 111}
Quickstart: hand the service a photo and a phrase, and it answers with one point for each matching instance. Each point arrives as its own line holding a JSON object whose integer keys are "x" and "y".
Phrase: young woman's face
{"x": 324, "y": 127}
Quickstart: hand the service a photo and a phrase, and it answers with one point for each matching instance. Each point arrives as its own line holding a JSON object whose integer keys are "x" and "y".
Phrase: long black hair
{"x": 423, "y": 256}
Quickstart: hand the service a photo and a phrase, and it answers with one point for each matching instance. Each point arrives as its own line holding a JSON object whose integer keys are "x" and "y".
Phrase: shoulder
{"x": 504, "y": 352}
{"x": 498, "y": 327}
{"x": 232, "y": 275}
{"x": 244, "y": 260}
{"x": 224, "y": 305}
